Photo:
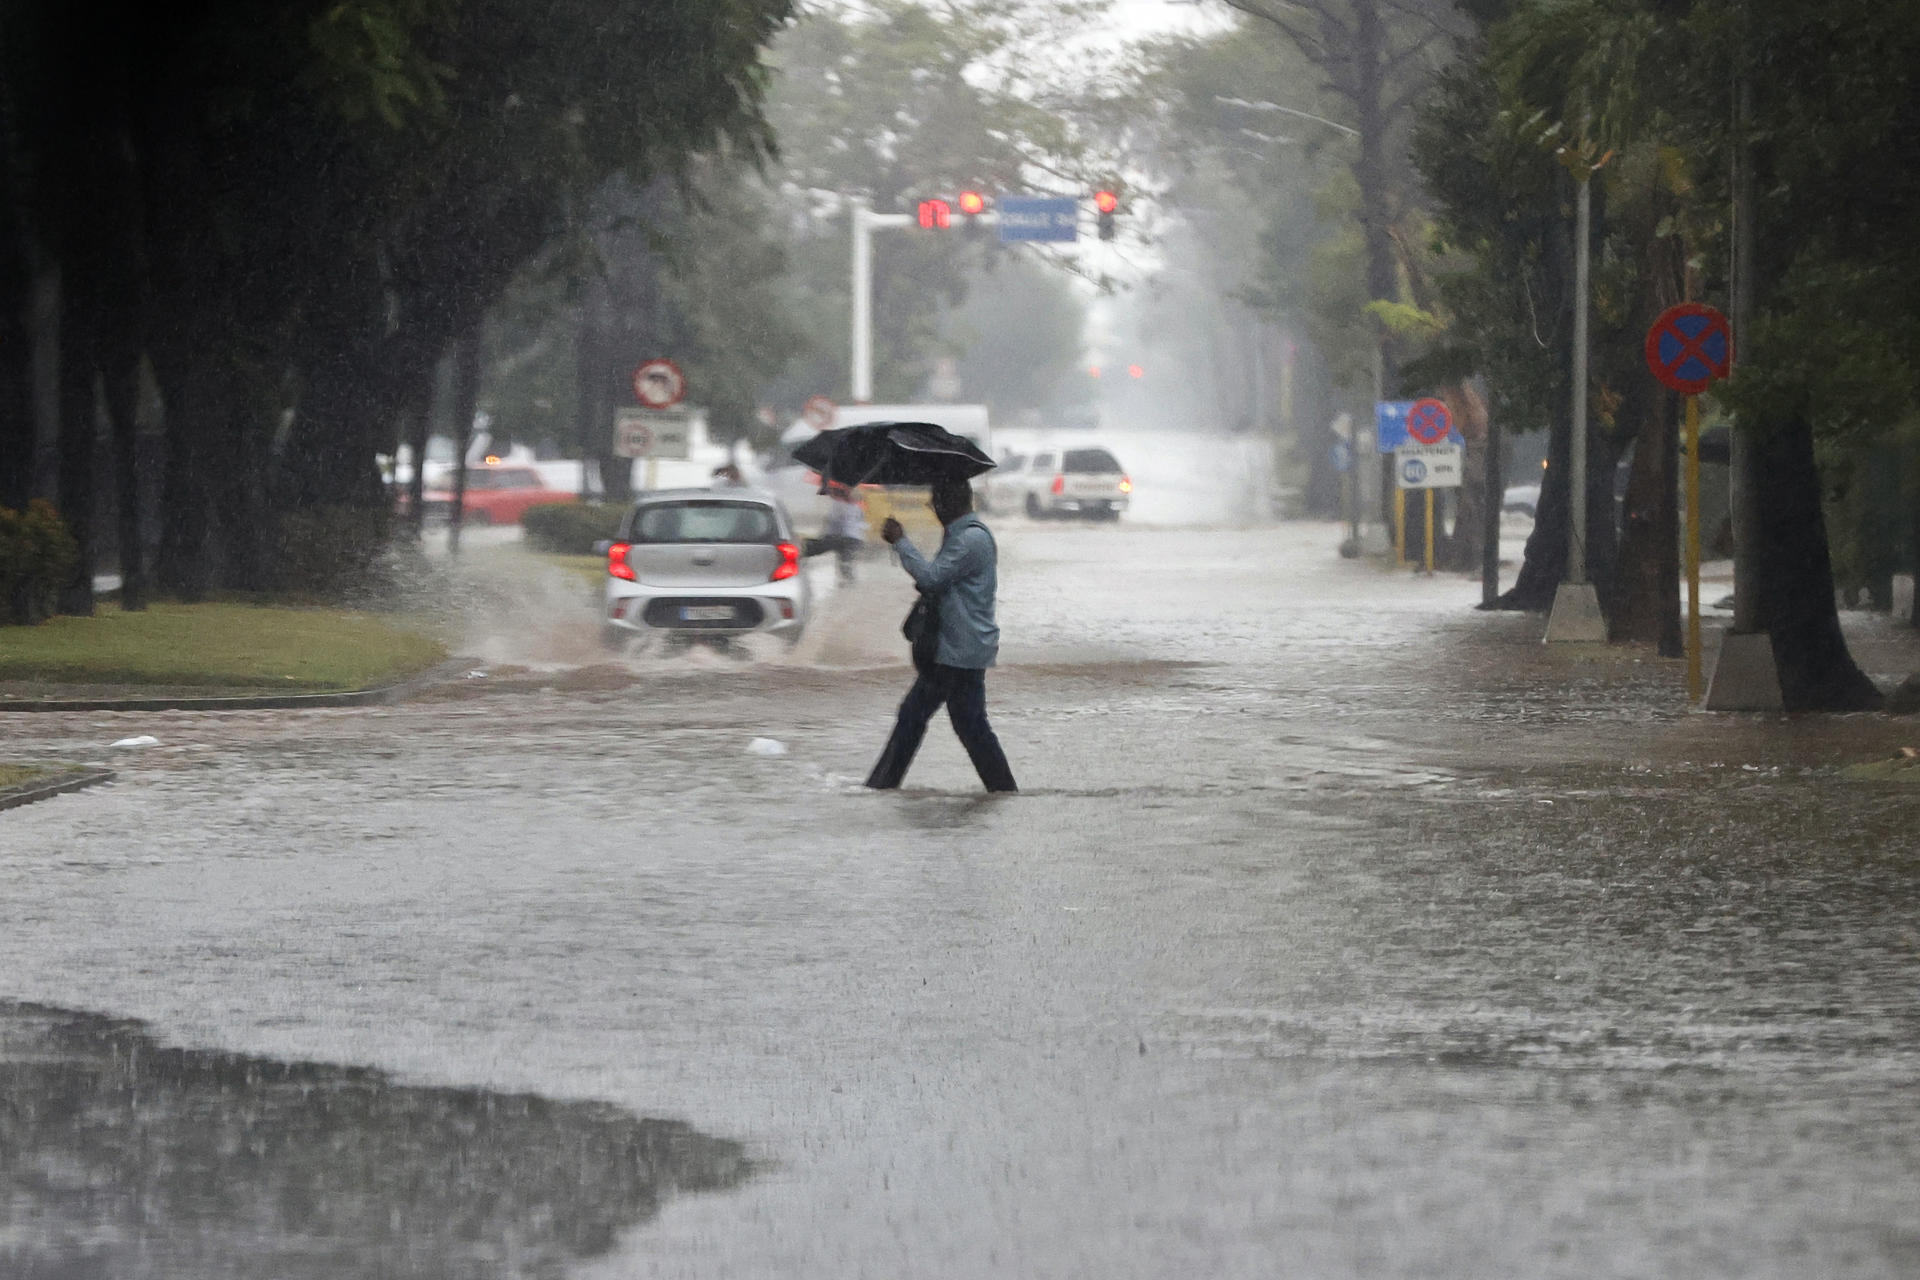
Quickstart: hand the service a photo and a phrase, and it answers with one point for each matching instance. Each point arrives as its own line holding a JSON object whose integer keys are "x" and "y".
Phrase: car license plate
{"x": 706, "y": 613}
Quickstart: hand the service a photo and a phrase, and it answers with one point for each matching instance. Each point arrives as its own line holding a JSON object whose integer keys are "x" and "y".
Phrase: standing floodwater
{"x": 1337, "y": 932}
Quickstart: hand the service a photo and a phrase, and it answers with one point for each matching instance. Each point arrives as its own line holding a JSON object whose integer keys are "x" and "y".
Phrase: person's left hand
{"x": 892, "y": 531}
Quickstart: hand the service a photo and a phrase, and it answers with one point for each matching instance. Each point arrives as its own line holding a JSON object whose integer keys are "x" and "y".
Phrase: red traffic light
{"x": 936, "y": 215}
{"x": 1105, "y": 201}
{"x": 972, "y": 202}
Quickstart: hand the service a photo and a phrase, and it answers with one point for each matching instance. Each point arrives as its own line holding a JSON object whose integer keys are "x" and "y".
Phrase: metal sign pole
{"x": 1576, "y": 615}
{"x": 1694, "y": 685}
{"x": 1577, "y": 529}
{"x": 1399, "y": 526}
{"x": 1429, "y": 532}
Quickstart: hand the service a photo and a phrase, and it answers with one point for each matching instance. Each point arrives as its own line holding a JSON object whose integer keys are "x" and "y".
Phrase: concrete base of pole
{"x": 1744, "y": 677}
{"x": 1576, "y": 616}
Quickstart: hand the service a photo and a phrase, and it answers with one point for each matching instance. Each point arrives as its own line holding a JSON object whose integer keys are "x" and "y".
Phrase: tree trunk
{"x": 1795, "y": 574}
{"x": 79, "y": 430}
{"x": 16, "y": 392}
{"x": 1911, "y": 453}
{"x": 417, "y": 424}
{"x": 466, "y": 403}
{"x": 122, "y": 386}
{"x": 244, "y": 525}
{"x": 1646, "y": 597}
{"x": 344, "y": 408}
{"x": 184, "y": 565}
{"x": 596, "y": 400}
{"x": 1459, "y": 552}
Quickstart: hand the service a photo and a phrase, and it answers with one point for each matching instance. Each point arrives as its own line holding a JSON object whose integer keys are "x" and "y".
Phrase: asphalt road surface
{"x": 1338, "y": 931}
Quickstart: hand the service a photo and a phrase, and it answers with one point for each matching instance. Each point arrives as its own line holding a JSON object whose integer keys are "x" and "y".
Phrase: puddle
{"x": 121, "y": 1157}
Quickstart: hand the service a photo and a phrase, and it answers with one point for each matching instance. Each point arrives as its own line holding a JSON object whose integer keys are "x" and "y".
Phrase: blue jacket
{"x": 965, "y": 575}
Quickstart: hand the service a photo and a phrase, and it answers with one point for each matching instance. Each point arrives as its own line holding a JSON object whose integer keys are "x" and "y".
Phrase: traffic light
{"x": 1106, "y": 202}
{"x": 936, "y": 215}
{"x": 972, "y": 205}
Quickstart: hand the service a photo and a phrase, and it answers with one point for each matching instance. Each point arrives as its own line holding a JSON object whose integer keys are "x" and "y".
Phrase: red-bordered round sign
{"x": 659, "y": 384}
{"x": 1689, "y": 347}
{"x": 1429, "y": 421}
{"x": 818, "y": 412}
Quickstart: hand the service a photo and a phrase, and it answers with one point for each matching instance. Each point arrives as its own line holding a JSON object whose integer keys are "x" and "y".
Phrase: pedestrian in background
{"x": 845, "y": 533}
{"x": 960, "y": 582}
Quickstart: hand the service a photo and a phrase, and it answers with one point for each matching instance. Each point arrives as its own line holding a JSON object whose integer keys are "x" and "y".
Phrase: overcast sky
{"x": 1143, "y": 17}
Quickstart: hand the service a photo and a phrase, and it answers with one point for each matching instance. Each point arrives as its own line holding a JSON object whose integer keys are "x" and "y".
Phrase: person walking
{"x": 846, "y": 528}
{"x": 960, "y": 580}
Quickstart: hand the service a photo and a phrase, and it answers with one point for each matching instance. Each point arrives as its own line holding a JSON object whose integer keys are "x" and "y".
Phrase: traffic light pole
{"x": 865, "y": 223}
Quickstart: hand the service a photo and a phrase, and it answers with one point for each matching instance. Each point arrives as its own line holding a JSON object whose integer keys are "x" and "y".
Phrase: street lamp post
{"x": 1576, "y": 615}
{"x": 865, "y": 222}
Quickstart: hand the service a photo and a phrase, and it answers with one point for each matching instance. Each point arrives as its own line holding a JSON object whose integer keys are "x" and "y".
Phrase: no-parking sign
{"x": 659, "y": 384}
{"x": 1690, "y": 347}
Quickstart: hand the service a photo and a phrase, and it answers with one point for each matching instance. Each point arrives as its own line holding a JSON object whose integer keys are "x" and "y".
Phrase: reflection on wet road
{"x": 121, "y": 1157}
{"x": 1340, "y": 932}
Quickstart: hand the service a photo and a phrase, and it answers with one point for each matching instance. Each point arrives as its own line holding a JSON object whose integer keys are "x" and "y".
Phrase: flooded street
{"x": 1338, "y": 931}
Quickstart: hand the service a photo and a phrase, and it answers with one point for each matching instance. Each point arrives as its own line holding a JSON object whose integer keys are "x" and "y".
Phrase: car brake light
{"x": 617, "y": 562}
{"x": 1126, "y": 485}
{"x": 1059, "y": 484}
{"x": 789, "y": 562}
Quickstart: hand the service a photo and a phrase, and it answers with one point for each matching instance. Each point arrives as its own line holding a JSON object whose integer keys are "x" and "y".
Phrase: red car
{"x": 496, "y": 494}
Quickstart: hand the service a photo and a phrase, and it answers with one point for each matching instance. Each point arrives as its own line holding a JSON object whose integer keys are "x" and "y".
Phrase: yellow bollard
{"x": 1429, "y": 531}
{"x": 1694, "y": 687}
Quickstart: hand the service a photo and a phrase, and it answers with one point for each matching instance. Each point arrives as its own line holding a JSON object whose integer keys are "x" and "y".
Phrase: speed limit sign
{"x": 659, "y": 384}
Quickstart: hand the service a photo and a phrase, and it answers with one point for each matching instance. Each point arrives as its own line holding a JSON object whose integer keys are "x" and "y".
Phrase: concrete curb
{"x": 47, "y": 790}
{"x": 396, "y": 692}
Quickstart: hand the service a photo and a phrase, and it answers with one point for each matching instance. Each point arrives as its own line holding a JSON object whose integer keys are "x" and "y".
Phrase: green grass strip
{"x": 219, "y": 645}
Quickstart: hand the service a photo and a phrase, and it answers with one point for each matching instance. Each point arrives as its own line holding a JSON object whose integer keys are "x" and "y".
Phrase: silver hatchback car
{"x": 711, "y": 563}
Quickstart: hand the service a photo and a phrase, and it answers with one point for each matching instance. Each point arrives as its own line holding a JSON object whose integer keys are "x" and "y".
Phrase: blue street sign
{"x": 1038, "y": 218}
{"x": 1390, "y": 425}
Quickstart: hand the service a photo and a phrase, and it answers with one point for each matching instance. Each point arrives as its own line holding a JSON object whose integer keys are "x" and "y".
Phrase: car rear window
{"x": 1088, "y": 461}
{"x": 704, "y": 522}
{"x": 491, "y": 478}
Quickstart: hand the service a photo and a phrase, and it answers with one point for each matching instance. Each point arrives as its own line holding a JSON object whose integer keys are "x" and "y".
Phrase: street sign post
{"x": 653, "y": 434}
{"x": 659, "y": 384}
{"x": 1428, "y": 466}
{"x": 1425, "y": 466}
{"x": 1038, "y": 218}
{"x": 1398, "y": 424}
{"x": 1688, "y": 348}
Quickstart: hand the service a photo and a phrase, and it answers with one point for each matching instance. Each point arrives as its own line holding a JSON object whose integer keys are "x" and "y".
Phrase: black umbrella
{"x": 892, "y": 453}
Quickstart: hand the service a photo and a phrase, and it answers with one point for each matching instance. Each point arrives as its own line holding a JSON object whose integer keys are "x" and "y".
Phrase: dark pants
{"x": 964, "y": 690}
